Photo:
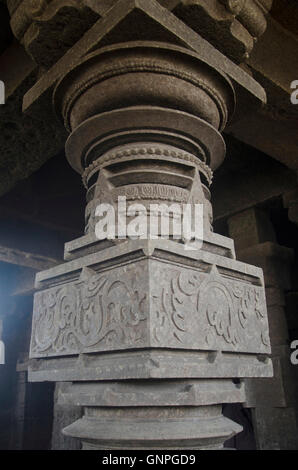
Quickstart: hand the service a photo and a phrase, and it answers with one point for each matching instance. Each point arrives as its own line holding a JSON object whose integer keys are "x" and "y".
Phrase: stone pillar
{"x": 150, "y": 334}
{"x": 273, "y": 399}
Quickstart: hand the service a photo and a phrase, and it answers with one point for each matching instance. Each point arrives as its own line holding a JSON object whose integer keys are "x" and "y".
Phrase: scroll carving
{"x": 82, "y": 315}
{"x": 211, "y": 312}
{"x": 185, "y": 309}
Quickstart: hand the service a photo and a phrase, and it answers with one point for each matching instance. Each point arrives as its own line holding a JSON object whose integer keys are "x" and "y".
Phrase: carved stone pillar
{"x": 179, "y": 325}
{"x": 273, "y": 399}
{"x": 151, "y": 336}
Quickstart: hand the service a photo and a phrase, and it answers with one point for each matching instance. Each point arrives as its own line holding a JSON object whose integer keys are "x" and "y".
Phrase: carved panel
{"x": 188, "y": 309}
{"x": 208, "y": 311}
{"x": 101, "y": 312}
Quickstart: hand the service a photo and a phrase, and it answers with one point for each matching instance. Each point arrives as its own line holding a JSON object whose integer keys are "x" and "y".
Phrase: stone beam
{"x": 28, "y": 260}
{"x": 275, "y": 57}
{"x": 26, "y": 266}
{"x": 273, "y": 130}
{"x": 34, "y": 139}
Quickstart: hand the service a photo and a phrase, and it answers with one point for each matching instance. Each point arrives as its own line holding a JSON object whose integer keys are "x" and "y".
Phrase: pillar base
{"x": 120, "y": 423}
{"x": 173, "y": 329}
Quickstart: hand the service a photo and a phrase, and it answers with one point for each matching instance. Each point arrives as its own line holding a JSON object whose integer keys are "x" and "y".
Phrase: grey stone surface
{"x": 276, "y": 428}
{"x": 64, "y": 415}
{"x": 166, "y": 428}
{"x": 173, "y": 393}
{"x": 144, "y": 304}
{"x": 150, "y": 365}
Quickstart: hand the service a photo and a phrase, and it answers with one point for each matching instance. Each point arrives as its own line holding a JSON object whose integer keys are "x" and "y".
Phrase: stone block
{"x": 205, "y": 303}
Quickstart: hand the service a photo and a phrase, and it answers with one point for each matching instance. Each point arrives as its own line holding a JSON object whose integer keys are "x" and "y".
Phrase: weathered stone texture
{"x": 63, "y": 416}
{"x": 148, "y": 309}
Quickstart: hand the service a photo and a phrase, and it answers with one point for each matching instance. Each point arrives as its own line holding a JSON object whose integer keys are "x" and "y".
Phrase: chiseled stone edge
{"x": 150, "y": 365}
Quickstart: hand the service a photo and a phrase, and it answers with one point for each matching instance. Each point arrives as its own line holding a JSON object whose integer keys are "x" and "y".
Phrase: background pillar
{"x": 273, "y": 400}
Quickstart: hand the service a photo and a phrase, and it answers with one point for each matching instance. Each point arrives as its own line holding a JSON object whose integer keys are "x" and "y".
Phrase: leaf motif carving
{"x": 87, "y": 313}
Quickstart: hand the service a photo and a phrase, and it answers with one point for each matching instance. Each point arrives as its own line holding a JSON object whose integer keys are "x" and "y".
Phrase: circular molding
{"x": 149, "y": 151}
{"x": 144, "y": 117}
{"x": 146, "y": 57}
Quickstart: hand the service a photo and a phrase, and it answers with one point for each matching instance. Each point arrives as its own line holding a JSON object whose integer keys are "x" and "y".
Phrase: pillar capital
{"x": 144, "y": 73}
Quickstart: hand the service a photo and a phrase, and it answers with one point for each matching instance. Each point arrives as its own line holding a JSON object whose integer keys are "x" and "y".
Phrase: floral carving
{"x": 82, "y": 315}
{"x": 187, "y": 309}
{"x": 217, "y": 303}
{"x": 210, "y": 311}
